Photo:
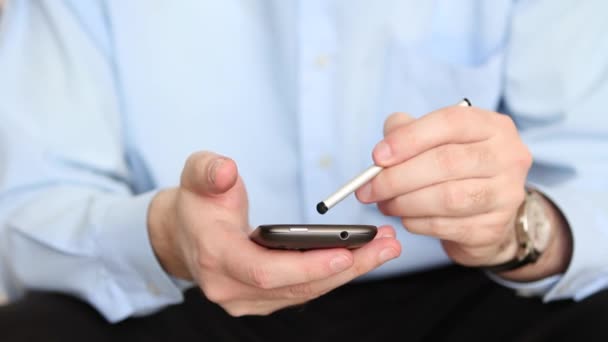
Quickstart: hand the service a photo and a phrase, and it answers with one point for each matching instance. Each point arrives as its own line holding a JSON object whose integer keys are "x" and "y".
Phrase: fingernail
{"x": 340, "y": 263}
{"x": 387, "y": 235}
{"x": 365, "y": 192}
{"x": 387, "y": 254}
{"x": 213, "y": 169}
{"x": 382, "y": 152}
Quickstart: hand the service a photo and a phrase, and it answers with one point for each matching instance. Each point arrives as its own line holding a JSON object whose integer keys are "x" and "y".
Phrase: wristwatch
{"x": 532, "y": 232}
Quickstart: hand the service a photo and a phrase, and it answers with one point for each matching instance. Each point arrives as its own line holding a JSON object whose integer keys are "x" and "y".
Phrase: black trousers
{"x": 448, "y": 304}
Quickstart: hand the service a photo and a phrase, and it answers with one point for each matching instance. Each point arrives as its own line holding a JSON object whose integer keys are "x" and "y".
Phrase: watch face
{"x": 538, "y": 223}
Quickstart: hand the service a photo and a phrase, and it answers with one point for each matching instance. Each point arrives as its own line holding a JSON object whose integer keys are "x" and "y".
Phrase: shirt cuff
{"x": 528, "y": 289}
{"x": 141, "y": 283}
{"x": 587, "y": 272}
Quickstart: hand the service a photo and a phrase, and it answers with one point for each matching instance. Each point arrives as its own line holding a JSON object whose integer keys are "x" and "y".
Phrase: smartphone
{"x": 313, "y": 236}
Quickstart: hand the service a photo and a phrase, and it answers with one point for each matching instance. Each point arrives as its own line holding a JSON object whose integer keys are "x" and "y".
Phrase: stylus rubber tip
{"x": 322, "y": 208}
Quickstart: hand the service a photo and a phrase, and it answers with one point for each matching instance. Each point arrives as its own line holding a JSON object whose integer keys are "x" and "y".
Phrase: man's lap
{"x": 451, "y": 303}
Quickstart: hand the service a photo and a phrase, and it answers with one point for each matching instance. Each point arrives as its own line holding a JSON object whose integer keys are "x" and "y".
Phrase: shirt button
{"x": 325, "y": 162}
{"x": 322, "y": 61}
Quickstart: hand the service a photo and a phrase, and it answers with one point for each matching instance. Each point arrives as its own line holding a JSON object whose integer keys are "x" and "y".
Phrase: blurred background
{"x": 2, "y": 295}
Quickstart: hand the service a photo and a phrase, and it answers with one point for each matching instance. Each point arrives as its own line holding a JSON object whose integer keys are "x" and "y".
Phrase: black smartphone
{"x": 313, "y": 236}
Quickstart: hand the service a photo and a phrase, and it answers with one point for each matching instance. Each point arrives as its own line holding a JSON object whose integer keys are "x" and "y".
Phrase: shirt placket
{"x": 317, "y": 38}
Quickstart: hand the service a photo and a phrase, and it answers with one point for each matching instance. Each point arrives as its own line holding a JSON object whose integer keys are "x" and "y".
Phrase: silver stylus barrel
{"x": 358, "y": 181}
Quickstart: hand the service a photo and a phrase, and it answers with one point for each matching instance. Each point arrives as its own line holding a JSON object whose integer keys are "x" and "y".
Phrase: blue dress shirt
{"x": 101, "y": 102}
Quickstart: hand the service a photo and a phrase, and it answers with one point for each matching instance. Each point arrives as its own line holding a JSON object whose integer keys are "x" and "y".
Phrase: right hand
{"x": 200, "y": 231}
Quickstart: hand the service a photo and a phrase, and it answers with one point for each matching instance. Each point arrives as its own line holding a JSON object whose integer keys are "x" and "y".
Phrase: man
{"x": 3, "y": 298}
{"x": 104, "y": 197}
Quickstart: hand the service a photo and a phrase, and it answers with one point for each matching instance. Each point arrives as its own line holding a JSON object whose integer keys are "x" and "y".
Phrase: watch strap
{"x": 513, "y": 263}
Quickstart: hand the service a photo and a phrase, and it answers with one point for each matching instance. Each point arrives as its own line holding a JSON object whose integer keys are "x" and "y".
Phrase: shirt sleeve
{"x": 71, "y": 218}
{"x": 556, "y": 86}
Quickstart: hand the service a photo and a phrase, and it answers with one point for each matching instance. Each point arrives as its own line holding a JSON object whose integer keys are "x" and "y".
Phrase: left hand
{"x": 457, "y": 174}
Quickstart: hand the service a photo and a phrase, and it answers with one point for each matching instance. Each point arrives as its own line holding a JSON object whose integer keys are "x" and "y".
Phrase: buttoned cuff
{"x": 141, "y": 283}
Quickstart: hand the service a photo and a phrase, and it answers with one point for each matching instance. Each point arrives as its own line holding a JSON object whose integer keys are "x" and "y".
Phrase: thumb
{"x": 395, "y": 121}
{"x": 207, "y": 173}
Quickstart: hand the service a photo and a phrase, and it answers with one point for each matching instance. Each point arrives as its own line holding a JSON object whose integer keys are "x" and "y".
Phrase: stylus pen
{"x": 357, "y": 182}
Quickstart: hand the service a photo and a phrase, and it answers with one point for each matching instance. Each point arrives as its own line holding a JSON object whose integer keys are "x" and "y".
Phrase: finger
{"x": 477, "y": 230}
{"x": 451, "y": 125}
{"x": 267, "y": 269}
{"x": 384, "y": 247}
{"x": 207, "y": 173}
{"x": 239, "y": 299}
{"x": 366, "y": 259}
{"x": 278, "y": 268}
{"x": 395, "y": 121}
{"x": 455, "y": 198}
{"x": 385, "y": 232}
{"x": 440, "y": 164}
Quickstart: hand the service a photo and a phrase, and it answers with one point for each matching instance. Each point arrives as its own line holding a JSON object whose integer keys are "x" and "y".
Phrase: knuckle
{"x": 197, "y": 161}
{"x": 448, "y": 159}
{"x": 391, "y": 122}
{"x": 524, "y": 159}
{"x": 461, "y": 199}
{"x": 394, "y": 121}
{"x": 435, "y": 226}
{"x": 195, "y": 166}
{"x": 207, "y": 261}
{"x": 478, "y": 196}
{"x": 453, "y": 198}
{"x": 309, "y": 273}
{"x": 402, "y": 137}
{"x": 361, "y": 268}
{"x": 505, "y": 122}
{"x": 191, "y": 160}
{"x": 260, "y": 277}
{"x": 480, "y": 156}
